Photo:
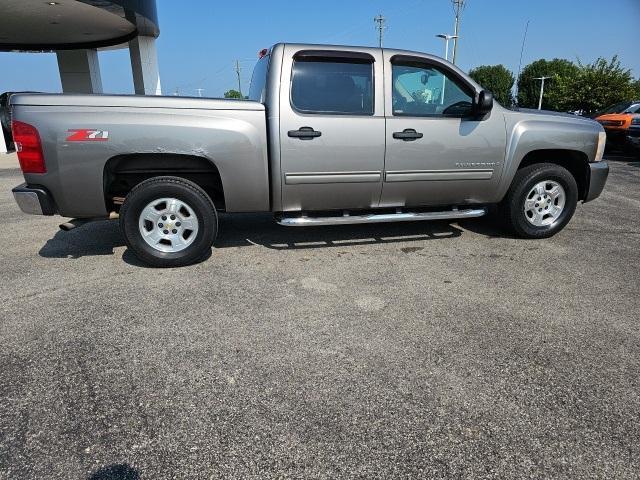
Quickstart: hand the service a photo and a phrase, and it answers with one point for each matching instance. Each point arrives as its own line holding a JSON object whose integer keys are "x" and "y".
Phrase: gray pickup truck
{"x": 329, "y": 135}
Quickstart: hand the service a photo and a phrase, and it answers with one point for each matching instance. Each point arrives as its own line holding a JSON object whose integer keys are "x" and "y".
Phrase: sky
{"x": 200, "y": 40}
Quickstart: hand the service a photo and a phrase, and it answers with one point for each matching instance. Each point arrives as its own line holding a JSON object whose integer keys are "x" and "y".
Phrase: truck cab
{"x": 365, "y": 128}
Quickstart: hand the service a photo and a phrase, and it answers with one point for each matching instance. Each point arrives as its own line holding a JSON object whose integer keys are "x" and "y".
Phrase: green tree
{"x": 232, "y": 94}
{"x": 600, "y": 84}
{"x": 497, "y": 79}
{"x": 561, "y": 71}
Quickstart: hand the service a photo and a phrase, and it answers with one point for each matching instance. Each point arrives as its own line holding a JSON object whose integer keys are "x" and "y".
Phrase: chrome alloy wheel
{"x": 544, "y": 203}
{"x": 168, "y": 225}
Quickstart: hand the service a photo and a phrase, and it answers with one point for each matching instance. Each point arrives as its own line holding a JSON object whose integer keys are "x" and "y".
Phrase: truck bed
{"x": 228, "y": 134}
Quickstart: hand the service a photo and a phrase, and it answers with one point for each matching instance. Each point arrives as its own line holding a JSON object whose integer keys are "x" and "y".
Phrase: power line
{"x": 401, "y": 8}
{"x": 458, "y": 7}
{"x": 214, "y": 75}
{"x": 380, "y": 20}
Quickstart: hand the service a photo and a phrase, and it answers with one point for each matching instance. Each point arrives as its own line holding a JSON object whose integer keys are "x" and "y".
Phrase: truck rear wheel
{"x": 169, "y": 222}
{"x": 541, "y": 200}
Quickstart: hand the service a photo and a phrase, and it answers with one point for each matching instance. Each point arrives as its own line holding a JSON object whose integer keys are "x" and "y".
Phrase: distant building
{"x": 76, "y": 29}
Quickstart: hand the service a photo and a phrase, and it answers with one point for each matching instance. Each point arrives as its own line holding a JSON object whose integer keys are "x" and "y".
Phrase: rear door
{"x": 332, "y": 128}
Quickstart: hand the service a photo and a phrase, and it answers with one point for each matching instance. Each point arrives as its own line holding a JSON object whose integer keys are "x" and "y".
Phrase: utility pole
{"x": 541, "y": 90}
{"x": 238, "y": 70}
{"x": 199, "y": 90}
{"x": 380, "y": 20}
{"x": 524, "y": 38}
{"x": 458, "y": 7}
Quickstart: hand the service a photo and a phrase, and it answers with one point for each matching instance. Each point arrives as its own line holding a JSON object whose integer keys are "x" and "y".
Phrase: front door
{"x": 437, "y": 152}
{"x": 332, "y": 129}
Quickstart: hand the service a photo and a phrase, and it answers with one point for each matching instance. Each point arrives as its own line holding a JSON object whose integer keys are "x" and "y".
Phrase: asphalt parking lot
{"x": 426, "y": 350}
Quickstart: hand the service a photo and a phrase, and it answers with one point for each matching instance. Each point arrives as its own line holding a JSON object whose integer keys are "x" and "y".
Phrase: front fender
{"x": 539, "y": 134}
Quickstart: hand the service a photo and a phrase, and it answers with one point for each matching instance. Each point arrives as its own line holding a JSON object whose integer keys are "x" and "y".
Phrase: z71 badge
{"x": 87, "y": 135}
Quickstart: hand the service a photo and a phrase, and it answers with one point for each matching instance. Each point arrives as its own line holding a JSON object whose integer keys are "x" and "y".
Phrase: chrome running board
{"x": 346, "y": 219}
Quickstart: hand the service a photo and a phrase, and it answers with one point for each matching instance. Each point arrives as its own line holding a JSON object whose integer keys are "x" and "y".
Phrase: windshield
{"x": 622, "y": 107}
{"x": 635, "y": 108}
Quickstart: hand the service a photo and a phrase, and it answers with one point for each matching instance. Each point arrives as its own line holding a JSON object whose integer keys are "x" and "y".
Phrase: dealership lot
{"x": 426, "y": 349}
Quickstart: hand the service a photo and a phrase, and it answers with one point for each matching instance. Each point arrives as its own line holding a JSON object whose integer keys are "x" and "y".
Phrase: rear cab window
{"x": 257, "y": 89}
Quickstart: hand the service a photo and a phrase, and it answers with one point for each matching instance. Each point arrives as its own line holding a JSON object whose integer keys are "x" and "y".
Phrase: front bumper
{"x": 34, "y": 200}
{"x": 598, "y": 173}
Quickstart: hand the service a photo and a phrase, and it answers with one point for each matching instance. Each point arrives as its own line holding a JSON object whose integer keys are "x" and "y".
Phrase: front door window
{"x": 427, "y": 91}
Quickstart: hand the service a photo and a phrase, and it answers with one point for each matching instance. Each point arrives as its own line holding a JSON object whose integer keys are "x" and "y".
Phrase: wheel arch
{"x": 575, "y": 161}
{"x": 123, "y": 172}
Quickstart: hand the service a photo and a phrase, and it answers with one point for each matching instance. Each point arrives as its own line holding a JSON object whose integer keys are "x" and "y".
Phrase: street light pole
{"x": 446, "y": 37}
{"x": 541, "y": 90}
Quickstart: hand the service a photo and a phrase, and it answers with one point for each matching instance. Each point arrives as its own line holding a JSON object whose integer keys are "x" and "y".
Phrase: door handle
{"x": 408, "y": 134}
{"x": 304, "y": 133}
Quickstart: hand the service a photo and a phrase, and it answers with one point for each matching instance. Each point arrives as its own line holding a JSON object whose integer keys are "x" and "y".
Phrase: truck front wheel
{"x": 169, "y": 222}
{"x": 541, "y": 200}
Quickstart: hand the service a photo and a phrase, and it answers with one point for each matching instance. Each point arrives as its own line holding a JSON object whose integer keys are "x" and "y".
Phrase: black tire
{"x": 512, "y": 207}
{"x": 169, "y": 187}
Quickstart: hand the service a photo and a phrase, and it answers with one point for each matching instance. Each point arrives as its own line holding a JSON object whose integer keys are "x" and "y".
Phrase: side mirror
{"x": 483, "y": 103}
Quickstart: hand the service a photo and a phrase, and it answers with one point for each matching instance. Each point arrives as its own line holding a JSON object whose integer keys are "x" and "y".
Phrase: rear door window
{"x": 332, "y": 86}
